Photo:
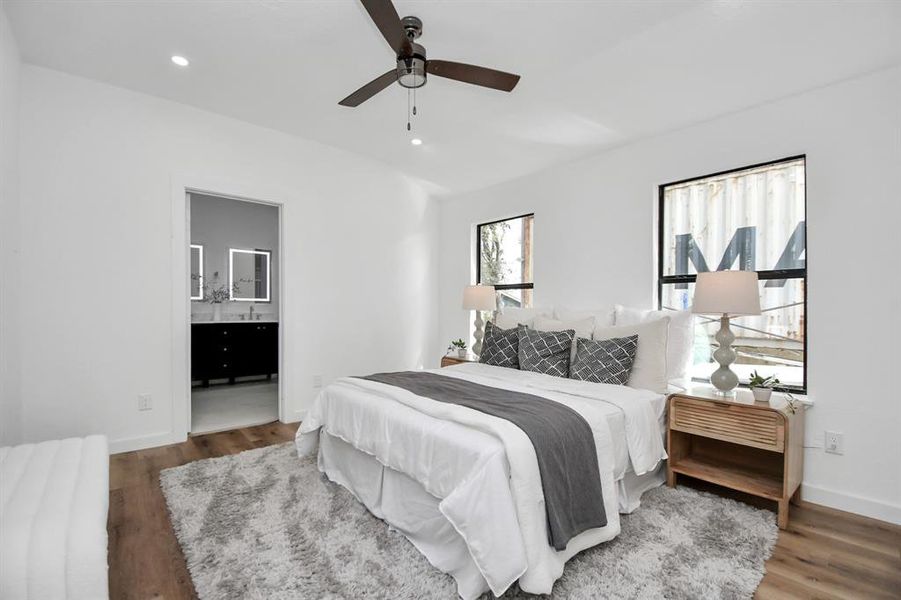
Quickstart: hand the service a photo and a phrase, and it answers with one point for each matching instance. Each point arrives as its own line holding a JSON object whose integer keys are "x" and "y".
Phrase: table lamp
{"x": 728, "y": 294}
{"x": 479, "y": 298}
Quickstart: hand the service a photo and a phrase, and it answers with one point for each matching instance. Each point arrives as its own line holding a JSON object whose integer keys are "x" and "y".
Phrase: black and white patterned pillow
{"x": 604, "y": 361}
{"x": 500, "y": 347}
{"x": 545, "y": 351}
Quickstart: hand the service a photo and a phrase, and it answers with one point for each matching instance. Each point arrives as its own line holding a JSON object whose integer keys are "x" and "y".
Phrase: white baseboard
{"x": 297, "y": 415}
{"x": 164, "y": 438}
{"x": 153, "y": 440}
{"x": 867, "y": 507}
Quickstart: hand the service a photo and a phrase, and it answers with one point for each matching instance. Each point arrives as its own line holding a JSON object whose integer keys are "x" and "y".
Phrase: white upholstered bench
{"x": 54, "y": 498}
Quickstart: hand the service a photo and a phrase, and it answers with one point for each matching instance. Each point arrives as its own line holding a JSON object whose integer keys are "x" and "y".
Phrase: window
{"x": 751, "y": 219}
{"x": 504, "y": 251}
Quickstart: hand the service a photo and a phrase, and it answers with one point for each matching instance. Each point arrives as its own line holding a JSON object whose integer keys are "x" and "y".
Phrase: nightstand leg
{"x": 671, "y": 478}
{"x": 796, "y": 497}
{"x": 783, "y": 514}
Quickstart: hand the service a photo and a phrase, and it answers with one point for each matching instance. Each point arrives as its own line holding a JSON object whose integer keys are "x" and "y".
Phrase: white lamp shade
{"x": 726, "y": 293}
{"x": 479, "y": 297}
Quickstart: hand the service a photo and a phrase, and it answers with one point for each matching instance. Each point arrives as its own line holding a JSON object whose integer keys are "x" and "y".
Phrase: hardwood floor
{"x": 824, "y": 553}
{"x": 145, "y": 560}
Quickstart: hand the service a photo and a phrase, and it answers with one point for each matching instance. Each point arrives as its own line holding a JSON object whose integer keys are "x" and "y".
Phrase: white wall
{"x": 595, "y": 233}
{"x": 98, "y": 166}
{"x": 10, "y": 401}
{"x": 219, "y": 224}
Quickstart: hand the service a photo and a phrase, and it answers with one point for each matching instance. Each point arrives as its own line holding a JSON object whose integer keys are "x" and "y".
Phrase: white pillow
{"x": 681, "y": 336}
{"x": 510, "y": 317}
{"x": 603, "y": 317}
{"x": 582, "y": 327}
{"x": 649, "y": 367}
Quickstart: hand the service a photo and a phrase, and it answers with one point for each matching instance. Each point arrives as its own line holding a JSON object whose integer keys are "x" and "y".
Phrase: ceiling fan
{"x": 412, "y": 67}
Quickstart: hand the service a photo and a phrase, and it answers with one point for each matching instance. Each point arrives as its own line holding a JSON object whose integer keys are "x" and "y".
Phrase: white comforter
{"x": 54, "y": 498}
{"x": 484, "y": 468}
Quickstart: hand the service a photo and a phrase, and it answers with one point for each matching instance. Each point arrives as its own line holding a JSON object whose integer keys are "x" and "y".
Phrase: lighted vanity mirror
{"x": 196, "y": 272}
{"x": 249, "y": 275}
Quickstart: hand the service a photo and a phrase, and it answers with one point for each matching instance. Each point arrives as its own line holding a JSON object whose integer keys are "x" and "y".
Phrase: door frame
{"x": 181, "y": 188}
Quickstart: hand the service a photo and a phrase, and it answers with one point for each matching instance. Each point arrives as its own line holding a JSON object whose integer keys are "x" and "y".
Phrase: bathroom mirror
{"x": 248, "y": 275}
{"x": 196, "y": 272}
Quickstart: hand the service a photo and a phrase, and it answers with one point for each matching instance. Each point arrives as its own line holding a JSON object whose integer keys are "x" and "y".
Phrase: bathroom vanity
{"x": 230, "y": 349}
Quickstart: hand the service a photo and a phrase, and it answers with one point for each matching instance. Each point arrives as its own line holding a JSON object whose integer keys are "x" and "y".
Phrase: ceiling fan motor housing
{"x": 411, "y": 69}
{"x": 412, "y": 26}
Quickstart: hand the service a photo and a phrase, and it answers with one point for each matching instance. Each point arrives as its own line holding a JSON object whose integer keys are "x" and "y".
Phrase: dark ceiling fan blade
{"x": 370, "y": 89}
{"x": 385, "y": 17}
{"x": 482, "y": 76}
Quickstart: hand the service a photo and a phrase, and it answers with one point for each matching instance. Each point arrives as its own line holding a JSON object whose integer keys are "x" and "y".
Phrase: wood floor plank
{"x": 114, "y": 542}
{"x": 857, "y": 561}
{"x": 776, "y": 587}
{"x": 862, "y": 532}
{"x": 825, "y": 577}
{"x": 144, "y": 556}
{"x": 122, "y": 471}
{"x": 824, "y": 554}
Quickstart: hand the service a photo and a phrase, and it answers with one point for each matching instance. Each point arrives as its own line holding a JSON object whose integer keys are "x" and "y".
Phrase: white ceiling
{"x": 594, "y": 74}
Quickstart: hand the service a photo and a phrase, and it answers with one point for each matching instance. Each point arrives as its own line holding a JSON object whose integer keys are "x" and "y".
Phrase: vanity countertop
{"x": 232, "y": 322}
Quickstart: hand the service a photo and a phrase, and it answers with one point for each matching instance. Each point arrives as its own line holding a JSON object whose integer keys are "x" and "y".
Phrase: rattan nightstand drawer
{"x": 728, "y": 422}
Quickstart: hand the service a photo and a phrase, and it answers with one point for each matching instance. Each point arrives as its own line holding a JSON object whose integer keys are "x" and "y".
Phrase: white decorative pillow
{"x": 649, "y": 367}
{"x": 511, "y": 317}
{"x": 603, "y": 317}
{"x": 681, "y": 337}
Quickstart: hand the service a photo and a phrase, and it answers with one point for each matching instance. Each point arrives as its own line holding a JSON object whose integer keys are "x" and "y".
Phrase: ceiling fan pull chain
{"x": 414, "y": 102}
{"x": 409, "y": 128}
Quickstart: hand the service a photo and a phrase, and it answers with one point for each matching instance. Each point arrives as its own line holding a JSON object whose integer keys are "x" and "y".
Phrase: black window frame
{"x": 762, "y": 275}
{"x": 499, "y": 286}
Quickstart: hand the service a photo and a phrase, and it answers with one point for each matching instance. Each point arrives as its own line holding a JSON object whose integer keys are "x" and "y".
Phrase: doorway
{"x": 235, "y": 312}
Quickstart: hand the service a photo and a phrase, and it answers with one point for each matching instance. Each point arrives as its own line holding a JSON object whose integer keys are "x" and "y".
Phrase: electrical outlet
{"x": 145, "y": 402}
{"x": 317, "y": 381}
{"x": 835, "y": 442}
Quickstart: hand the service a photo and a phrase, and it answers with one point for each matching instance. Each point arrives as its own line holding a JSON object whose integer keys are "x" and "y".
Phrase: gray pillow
{"x": 604, "y": 361}
{"x": 545, "y": 351}
{"x": 500, "y": 347}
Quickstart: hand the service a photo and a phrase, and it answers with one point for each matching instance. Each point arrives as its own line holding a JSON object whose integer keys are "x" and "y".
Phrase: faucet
{"x": 251, "y": 313}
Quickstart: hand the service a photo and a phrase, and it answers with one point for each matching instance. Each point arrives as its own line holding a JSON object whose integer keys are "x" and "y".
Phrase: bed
{"x": 54, "y": 498}
{"x": 463, "y": 486}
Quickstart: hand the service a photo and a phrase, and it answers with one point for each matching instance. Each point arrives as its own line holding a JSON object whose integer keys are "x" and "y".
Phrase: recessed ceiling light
{"x": 416, "y": 142}
{"x": 181, "y": 61}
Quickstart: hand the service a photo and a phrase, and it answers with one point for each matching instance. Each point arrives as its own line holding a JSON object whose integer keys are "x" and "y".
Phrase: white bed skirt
{"x": 631, "y": 487}
{"x": 405, "y": 505}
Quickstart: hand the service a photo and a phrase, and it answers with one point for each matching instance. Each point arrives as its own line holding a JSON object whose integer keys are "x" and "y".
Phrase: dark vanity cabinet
{"x": 229, "y": 350}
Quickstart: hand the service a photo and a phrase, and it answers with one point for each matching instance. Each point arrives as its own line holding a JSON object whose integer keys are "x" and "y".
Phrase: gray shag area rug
{"x": 267, "y": 524}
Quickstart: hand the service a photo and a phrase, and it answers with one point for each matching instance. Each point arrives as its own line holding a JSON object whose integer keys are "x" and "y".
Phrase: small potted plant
{"x": 216, "y": 296}
{"x": 459, "y": 346}
{"x": 762, "y": 387}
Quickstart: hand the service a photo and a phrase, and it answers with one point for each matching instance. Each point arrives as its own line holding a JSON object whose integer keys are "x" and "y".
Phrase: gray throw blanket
{"x": 563, "y": 441}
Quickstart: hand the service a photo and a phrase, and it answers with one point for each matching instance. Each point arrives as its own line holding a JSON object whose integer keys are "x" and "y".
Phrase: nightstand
{"x": 752, "y": 447}
{"x": 448, "y": 360}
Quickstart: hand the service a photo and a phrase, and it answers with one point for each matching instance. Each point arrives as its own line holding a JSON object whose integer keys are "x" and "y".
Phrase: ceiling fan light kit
{"x": 413, "y": 67}
{"x": 411, "y": 70}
